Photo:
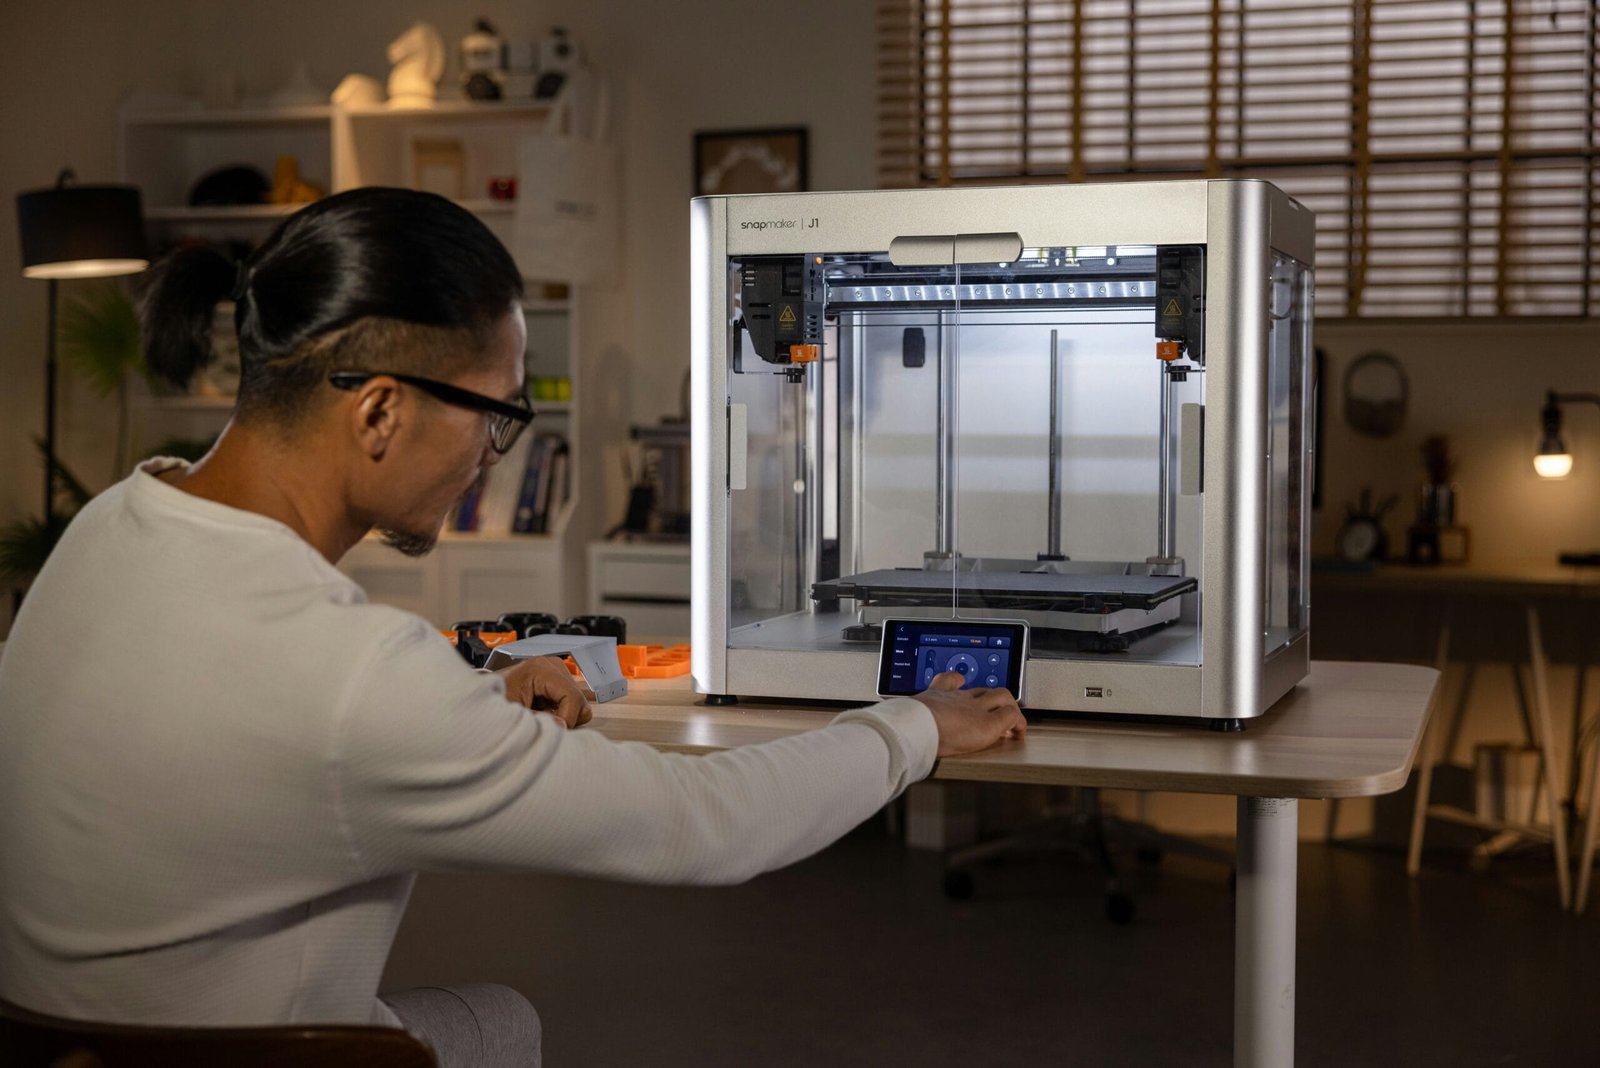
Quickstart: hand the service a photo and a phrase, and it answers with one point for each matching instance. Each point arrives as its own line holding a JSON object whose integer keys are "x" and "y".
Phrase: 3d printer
{"x": 1086, "y": 407}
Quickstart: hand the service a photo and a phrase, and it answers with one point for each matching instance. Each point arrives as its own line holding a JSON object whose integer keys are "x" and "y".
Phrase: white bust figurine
{"x": 418, "y": 58}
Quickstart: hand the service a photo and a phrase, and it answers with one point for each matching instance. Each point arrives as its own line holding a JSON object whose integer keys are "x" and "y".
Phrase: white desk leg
{"x": 1554, "y": 787}
{"x": 1436, "y": 742}
{"x": 1264, "y": 933}
{"x": 1591, "y": 824}
{"x": 1432, "y": 732}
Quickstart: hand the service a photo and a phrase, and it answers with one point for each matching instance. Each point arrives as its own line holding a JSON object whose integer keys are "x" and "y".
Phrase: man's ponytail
{"x": 181, "y": 294}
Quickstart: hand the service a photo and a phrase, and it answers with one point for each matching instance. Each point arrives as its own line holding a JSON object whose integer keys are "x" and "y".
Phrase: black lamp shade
{"x": 1550, "y": 418}
{"x": 81, "y": 231}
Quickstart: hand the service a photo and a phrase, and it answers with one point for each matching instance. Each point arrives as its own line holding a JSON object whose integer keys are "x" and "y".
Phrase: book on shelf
{"x": 518, "y": 494}
{"x": 552, "y": 490}
{"x": 498, "y": 505}
{"x": 466, "y": 517}
{"x": 547, "y": 459}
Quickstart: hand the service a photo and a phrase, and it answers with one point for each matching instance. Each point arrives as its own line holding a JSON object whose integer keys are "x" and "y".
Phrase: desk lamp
{"x": 75, "y": 231}
{"x": 1554, "y": 461}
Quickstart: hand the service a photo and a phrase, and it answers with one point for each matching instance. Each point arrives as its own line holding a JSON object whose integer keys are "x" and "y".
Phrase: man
{"x": 220, "y": 767}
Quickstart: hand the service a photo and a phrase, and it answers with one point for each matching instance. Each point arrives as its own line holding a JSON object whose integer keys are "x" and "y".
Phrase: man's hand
{"x": 970, "y": 720}
{"x": 544, "y": 684}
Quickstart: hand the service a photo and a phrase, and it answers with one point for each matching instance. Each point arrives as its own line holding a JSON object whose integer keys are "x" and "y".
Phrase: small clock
{"x": 1361, "y": 538}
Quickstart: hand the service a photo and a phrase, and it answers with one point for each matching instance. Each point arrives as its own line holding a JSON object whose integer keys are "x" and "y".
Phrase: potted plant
{"x": 99, "y": 337}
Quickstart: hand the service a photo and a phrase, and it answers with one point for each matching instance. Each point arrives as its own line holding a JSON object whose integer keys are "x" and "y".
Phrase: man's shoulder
{"x": 384, "y": 639}
{"x": 375, "y": 624}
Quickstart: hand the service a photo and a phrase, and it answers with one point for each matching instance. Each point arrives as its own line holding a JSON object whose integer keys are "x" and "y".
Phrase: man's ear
{"x": 377, "y": 415}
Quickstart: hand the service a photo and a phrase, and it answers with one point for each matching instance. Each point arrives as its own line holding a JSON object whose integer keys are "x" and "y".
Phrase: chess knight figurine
{"x": 418, "y": 59}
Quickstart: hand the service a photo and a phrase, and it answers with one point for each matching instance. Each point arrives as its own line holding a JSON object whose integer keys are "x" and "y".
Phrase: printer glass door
{"x": 1067, "y": 510}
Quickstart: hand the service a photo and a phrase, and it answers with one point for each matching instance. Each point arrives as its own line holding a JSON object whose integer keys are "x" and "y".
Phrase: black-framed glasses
{"x": 507, "y": 419}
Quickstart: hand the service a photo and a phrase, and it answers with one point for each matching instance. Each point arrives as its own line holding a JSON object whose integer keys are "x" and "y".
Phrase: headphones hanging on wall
{"x": 1376, "y": 395}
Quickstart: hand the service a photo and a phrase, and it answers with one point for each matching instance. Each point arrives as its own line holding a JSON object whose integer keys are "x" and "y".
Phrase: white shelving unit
{"x": 165, "y": 152}
{"x": 242, "y": 213}
{"x": 470, "y": 575}
{"x": 644, "y": 582}
{"x": 374, "y": 146}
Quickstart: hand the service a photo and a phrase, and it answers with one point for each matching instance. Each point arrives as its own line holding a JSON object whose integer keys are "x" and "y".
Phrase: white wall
{"x": 680, "y": 67}
{"x": 700, "y": 64}
{"x": 1481, "y": 385}
{"x": 63, "y": 67}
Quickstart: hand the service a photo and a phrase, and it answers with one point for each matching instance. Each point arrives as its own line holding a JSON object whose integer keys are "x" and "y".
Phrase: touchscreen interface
{"x": 986, "y": 653}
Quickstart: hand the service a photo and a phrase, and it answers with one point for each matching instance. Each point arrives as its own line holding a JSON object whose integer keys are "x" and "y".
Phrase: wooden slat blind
{"x": 1448, "y": 147}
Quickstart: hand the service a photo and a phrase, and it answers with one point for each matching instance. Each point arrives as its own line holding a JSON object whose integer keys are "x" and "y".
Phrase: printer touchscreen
{"x": 987, "y": 653}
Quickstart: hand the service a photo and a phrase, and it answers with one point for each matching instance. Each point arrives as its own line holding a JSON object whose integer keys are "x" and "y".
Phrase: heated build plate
{"x": 1037, "y": 590}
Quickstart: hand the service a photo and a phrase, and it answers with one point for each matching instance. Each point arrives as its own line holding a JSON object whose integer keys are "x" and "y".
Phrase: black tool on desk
{"x": 471, "y": 647}
{"x": 529, "y": 624}
{"x": 474, "y": 638}
{"x": 598, "y": 625}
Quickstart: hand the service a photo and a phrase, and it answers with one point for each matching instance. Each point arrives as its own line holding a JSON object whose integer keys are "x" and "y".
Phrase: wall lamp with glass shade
{"x": 75, "y": 231}
{"x": 1554, "y": 461}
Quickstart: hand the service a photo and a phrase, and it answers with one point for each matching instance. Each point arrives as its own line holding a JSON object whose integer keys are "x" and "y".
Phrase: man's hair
{"x": 372, "y": 279}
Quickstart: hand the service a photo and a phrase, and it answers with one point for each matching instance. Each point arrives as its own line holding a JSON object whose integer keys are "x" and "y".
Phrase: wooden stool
{"x": 1591, "y": 808}
{"x": 1536, "y": 723}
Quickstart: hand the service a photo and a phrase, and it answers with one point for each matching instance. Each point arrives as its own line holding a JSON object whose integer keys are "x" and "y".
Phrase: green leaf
{"x": 100, "y": 338}
{"x": 70, "y": 490}
{"x": 26, "y": 544}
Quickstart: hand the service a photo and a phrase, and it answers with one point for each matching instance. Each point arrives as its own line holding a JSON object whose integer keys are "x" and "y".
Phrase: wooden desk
{"x": 1477, "y": 614}
{"x": 1487, "y": 579}
{"x": 1349, "y": 730}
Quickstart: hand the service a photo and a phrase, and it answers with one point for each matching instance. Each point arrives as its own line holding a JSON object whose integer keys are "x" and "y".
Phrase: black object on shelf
{"x": 229, "y": 187}
{"x": 1580, "y": 559}
{"x": 658, "y": 499}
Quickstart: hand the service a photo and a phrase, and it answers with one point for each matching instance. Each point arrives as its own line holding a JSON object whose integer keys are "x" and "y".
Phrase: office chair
{"x": 31, "y": 1039}
{"x": 1080, "y": 826}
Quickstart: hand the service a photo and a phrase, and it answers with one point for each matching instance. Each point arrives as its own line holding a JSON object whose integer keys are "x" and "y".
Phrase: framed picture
{"x": 750, "y": 161}
{"x": 438, "y": 165}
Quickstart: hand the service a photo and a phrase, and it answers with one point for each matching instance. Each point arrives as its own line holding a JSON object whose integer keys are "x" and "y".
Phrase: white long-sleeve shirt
{"x": 220, "y": 767}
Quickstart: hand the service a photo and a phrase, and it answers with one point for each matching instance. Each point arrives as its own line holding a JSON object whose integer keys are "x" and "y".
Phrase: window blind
{"x": 1448, "y": 147}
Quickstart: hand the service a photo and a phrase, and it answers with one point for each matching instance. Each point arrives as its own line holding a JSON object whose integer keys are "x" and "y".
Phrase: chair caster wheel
{"x": 1119, "y": 908}
{"x": 958, "y": 885}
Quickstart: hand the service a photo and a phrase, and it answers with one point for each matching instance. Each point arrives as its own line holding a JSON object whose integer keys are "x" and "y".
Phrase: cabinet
{"x": 469, "y": 575}
{"x": 646, "y": 583}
